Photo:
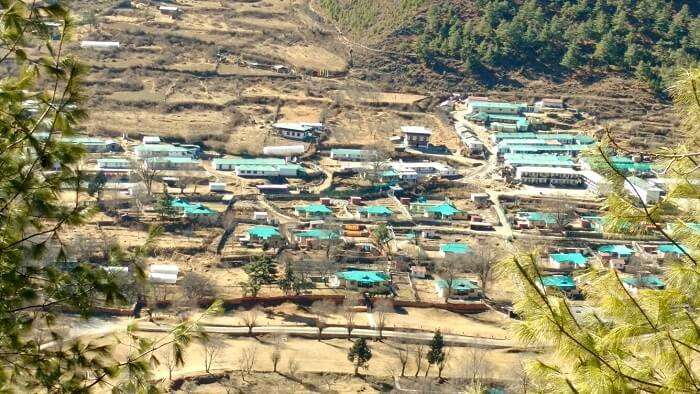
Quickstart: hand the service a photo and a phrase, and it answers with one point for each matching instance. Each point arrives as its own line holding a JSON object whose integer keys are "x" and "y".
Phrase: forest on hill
{"x": 646, "y": 39}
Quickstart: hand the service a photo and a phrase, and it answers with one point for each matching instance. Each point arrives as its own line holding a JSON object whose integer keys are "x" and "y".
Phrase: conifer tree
{"x": 360, "y": 354}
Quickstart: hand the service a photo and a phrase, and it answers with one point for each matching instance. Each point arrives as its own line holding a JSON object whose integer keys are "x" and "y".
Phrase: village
{"x": 315, "y": 210}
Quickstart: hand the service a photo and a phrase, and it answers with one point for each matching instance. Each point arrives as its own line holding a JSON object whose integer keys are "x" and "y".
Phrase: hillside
{"x": 610, "y": 57}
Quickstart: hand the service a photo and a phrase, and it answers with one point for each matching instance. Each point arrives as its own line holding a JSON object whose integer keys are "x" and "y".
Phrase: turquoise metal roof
{"x": 457, "y": 284}
{"x": 443, "y": 209}
{"x": 174, "y": 160}
{"x": 649, "y": 281}
{"x": 366, "y": 277}
{"x": 575, "y": 258}
{"x": 112, "y": 160}
{"x": 496, "y": 104}
{"x": 455, "y": 248}
{"x": 546, "y": 217}
{"x": 377, "y": 210}
{"x": 237, "y": 161}
{"x": 159, "y": 148}
{"x": 671, "y": 248}
{"x": 314, "y": 208}
{"x": 318, "y": 234}
{"x": 264, "y": 232}
{"x": 528, "y": 159}
{"x": 561, "y": 282}
{"x": 190, "y": 208}
{"x": 621, "y": 250}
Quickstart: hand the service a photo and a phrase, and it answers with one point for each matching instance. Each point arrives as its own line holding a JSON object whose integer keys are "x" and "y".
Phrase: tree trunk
{"x": 357, "y": 366}
{"x": 417, "y": 371}
{"x": 319, "y": 333}
{"x": 403, "y": 370}
{"x": 427, "y": 370}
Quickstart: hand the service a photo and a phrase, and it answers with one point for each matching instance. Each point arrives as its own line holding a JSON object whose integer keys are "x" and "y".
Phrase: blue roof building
{"x": 568, "y": 260}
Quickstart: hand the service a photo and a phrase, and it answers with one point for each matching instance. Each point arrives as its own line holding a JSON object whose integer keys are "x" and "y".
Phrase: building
{"x": 443, "y": 210}
{"x": 419, "y": 271}
{"x": 475, "y": 148}
{"x": 144, "y": 151}
{"x": 150, "y": 139}
{"x": 194, "y": 211}
{"x": 259, "y": 167}
{"x": 315, "y": 211}
{"x": 534, "y": 160}
{"x": 416, "y": 136}
{"x": 596, "y": 183}
{"x": 315, "y": 238}
{"x": 353, "y": 154}
{"x": 624, "y": 164}
{"x": 616, "y": 252}
{"x": 560, "y": 283}
{"x": 548, "y": 104}
{"x": 525, "y": 220}
{"x": 373, "y": 281}
{"x": 461, "y": 289}
{"x": 671, "y": 251}
{"x": 172, "y": 163}
{"x": 100, "y": 45}
{"x": 562, "y": 138}
{"x": 284, "y": 150}
{"x": 567, "y": 261}
{"x": 90, "y": 144}
{"x": 113, "y": 164}
{"x": 642, "y": 190}
{"x": 163, "y": 273}
{"x": 217, "y": 187}
{"x": 376, "y": 211}
{"x": 544, "y": 176}
{"x": 645, "y": 282}
{"x": 495, "y": 107}
{"x": 454, "y": 249}
{"x": 409, "y": 170}
{"x": 299, "y": 131}
{"x": 170, "y": 10}
{"x": 264, "y": 234}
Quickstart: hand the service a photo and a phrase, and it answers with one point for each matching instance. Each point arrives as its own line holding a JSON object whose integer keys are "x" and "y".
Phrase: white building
{"x": 284, "y": 150}
{"x": 596, "y": 183}
{"x": 548, "y": 104}
{"x": 424, "y": 168}
{"x": 298, "y": 131}
{"x": 163, "y": 273}
{"x": 554, "y": 176}
{"x": 415, "y": 136}
{"x": 150, "y": 139}
{"x": 145, "y": 151}
{"x": 643, "y": 190}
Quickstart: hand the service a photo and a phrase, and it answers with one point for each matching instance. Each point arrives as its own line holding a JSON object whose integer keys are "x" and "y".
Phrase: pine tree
{"x": 97, "y": 183}
{"x": 643, "y": 342}
{"x": 574, "y": 57}
{"x": 287, "y": 282}
{"x": 164, "y": 205}
{"x": 360, "y": 354}
{"x": 34, "y": 356}
{"x": 436, "y": 354}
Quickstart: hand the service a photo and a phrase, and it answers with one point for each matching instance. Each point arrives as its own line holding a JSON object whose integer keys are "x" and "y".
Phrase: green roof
{"x": 457, "y": 284}
{"x": 622, "y": 163}
{"x": 561, "y": 282}
{"x": 528, "y": 159}
{"x": 443, "y": 209}
{"x": 174, "y": 160}
{"x": 314, "y": 208}
{"x": 112, "y": 160}
{"x": 366, "y": 277}
{"x": 455, "y": 248}
{"x": 377, "y": 210}
{"x": 621, "y": 250}
{"x": 495, "y": 104}
{"x": 318, "y": 234}
{"x": 190, "y": 208}
{"x": 649, "y": 281}
{"x": 264, "y": 232}
{"x": 671, "y": 248}
{"x": 546, "y": 217}
{"x": 575, "y": 258}
{"x": 256, "y": 167}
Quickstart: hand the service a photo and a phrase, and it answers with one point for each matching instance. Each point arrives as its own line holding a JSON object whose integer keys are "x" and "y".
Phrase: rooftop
{"x": 260, "y": 161}
{"x": 377, "y": 210}
{"x": 318, "y": 234}
{"x": 368, "y": 277}
{"x": 648, "y": 281}
{"x": 559, "y": 281}
{"x": 454, "y": 248}
{"x": 546, "y": 217}
{"x": 457, "y": 284}
{"x": 444, "y": 209}
{"x": 575, "y": 258}
{"x": 415, "y": 130}
{"x": 671, "y": 248}
{"x": 313, "y": 208}
{"x": 264, "y": 232}
{"x": 529, "y": 159}
{"x": 622, "y": 250}
{"x": 159, "y": 148}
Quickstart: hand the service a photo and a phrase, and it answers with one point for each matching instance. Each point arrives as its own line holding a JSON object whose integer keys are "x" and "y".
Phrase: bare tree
{"x": 443, "y": 363}
{"x": 147, "y": 174}
{"x": 380, "y": 309}
{"x": 350, "y": 304}
{"x": 246, "y": 361}
{"x": 211, "y": 349}
{"x": 450, "y": 268}
{"x": 250, "y": 317}
{"x": 475, "y": 366}
{"x": 560, "y": 211}
{"x": 293, "y": 368}
{"x": 196, "y": 286}
{"x": 321, "y": 309}
{"x": 170, "y": 362}
{"x": 327, "y": 379}
{"x": 229, "y": 384}
{"x": 377, "y": 157}
{"x": 418, "y": 356}
{"x": 402, "y": 355}
{"x": 482, "y": 260}
{"x": 276, "y": 355}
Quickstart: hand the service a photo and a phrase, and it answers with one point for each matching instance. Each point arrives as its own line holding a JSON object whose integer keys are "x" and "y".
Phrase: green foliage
{"x": 291, "y": 282}
{"x": 164, "y": 205}
{"x": 260, "y": 271}
{"x": 360, "y": 354}
{"x": 97, "y": 183}
{"x": 41, "y": 91}
{"x": 541, "y": 35}
{"x": 436, "y": 354}
{"x": 643, "y": 341}
{"x": 381, "y": 236}
{"x": 365, "y": 17}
